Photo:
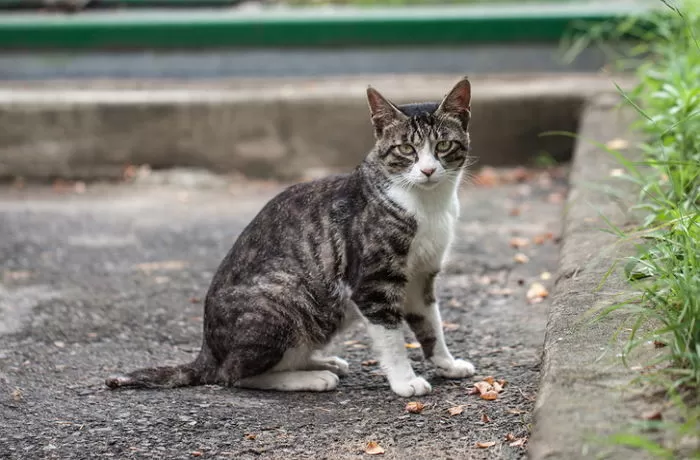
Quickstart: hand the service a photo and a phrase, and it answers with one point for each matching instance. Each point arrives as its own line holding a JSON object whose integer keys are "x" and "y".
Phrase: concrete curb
{"x": 286, "y": 129}
{"x": 584, "y": 392}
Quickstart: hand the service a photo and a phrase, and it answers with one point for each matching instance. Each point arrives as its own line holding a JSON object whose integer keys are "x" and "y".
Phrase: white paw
{"x": 339, "y": 366}
{"x": 457, "y": 369}
{"x": 417, "y": 386}
{"x": 320, "y": 381}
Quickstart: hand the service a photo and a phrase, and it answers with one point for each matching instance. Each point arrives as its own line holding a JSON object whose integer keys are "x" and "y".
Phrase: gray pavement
{"x": 112, "y": 279}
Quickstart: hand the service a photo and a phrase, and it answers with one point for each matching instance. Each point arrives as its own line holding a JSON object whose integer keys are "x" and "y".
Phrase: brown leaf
{"x": 489, "y": 395}
{"x": 415, "y": 407}
{"x": 502, "y": 382}
{"x": 517, "y": 242}
{"x": 536, "y": 293}
{"x": 658, "y": 344}
{"x": 18, "y": 275}
{"x": 456, "y": 410}
{"x": 521, "y": 258}
{"x": 162, "y": 265}
{"x": 487, "y": 177}
{"x": 489, "y": 379}
{"x": 473, "y": 391}
{"x": 652, "y": 415}
{"x": 485, "y": 418}
{"x": 197, "y": 453}
{"x": 510, "y": 437}
{"x": 497, "y": 387}
{"x": 450, "y": 326}
{"x": 369, "y": 362}
{"x": 485, "y": 445}
{"x": 251, "y": 436}
{"x": 514, "y": 212}
{"x": 482, "y": 387}
{"x": 518, "y": 442}
{"x": 412, "y": 345}
{"x": 195, "y": 300}
{"x": 372, "y": 448}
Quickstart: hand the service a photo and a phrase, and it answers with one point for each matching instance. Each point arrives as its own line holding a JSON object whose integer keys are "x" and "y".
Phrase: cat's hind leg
{"x": 292, "y": 381}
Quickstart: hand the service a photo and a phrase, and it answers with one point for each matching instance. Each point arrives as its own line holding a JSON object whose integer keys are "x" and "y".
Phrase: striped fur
{"x": 363, "y": 246}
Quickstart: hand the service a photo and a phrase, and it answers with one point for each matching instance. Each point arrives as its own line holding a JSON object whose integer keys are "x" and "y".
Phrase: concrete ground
{"x": 112, "y": 277}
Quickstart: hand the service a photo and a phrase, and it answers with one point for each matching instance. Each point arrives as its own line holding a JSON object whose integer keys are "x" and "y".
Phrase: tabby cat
{"x": 363, "y": 246}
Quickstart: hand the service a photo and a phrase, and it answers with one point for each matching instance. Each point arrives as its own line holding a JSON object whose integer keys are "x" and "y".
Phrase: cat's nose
{"x": 428, "y": 171}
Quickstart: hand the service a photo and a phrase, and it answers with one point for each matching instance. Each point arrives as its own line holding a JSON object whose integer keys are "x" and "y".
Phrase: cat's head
{"x": 422, "y": 144}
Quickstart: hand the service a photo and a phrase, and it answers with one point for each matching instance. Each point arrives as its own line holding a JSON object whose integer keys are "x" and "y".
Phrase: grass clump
{"x": 665, "y": 272}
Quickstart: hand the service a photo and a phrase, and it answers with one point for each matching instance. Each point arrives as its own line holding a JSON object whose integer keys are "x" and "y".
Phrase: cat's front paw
{"x": 456, "y": 369}
{"x": 417, "y": 386}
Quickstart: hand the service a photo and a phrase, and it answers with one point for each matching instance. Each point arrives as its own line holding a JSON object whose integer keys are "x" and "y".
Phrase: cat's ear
{"x": 458, "y": 102}
{"x": 382, "y": 111}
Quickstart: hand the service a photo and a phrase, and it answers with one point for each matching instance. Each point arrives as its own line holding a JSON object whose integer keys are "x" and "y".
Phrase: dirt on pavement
{"x": 112, "y": 278}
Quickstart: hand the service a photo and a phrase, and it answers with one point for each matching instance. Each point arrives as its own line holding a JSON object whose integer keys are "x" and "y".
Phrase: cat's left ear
{"x": 382, "y": 111}
{"x": 458, "y": 102}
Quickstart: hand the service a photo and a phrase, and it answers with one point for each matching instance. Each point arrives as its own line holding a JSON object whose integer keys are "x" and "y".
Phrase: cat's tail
{"x": 184, "y": 375}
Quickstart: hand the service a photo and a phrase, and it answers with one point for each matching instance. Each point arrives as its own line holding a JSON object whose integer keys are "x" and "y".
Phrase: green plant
{"x": 665, "y": 272}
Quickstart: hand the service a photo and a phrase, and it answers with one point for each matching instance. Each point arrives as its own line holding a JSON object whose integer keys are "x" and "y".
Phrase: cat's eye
{"x": 406, "y": 149}
{"x": 443, "y": 146}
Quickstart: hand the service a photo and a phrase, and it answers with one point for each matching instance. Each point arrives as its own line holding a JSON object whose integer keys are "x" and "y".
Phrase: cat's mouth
{"x": 428, "y": 184}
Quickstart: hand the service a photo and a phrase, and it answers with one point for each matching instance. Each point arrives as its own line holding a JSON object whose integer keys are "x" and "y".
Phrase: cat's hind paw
{"x": 417, "y": 386}
{"x": 457, "y": 369}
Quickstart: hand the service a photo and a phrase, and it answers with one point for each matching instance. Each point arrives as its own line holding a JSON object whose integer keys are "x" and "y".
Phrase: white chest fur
{"x": 436, "y": 212}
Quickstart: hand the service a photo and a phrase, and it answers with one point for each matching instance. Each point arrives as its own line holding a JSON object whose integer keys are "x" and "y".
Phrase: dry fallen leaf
{"x": 517, "y": 242}
{"x": 473, "y": 391}
{"x": 17, "y": 394}
{"x": 251, "y": 436}
{"x": 489, "y": 379}
{"x": 413, "y": 345}
{"x": 196, "y": 453}
{"x": 163, "y": 265}
{"x": 501, "y": 382}
{"x": 497, "y": 387}
{"x": 372, "y": 448}
{"x": 652, "y": 415}
{"x": 482, "y": 387}
{"x": 18, "y": 275}
{"x": 485, "y": 445}
{"x": 369, "y": 362}
{"x": 521, "y": 258}
{"x": 617, "y": 144}
{"x": 536, "y": 293}
{"x": 485, "y": 418}
{"x": 450, "y": 326}
{"x": 415, "y": 407}
{"x": 456, "y": 410}
{"x": 518, "y": 442}
{"x": 489, "y": 395}
{"x": 510, "y": 437}
{"x": 487, "y": 177}
{"x": 658, "y": 344}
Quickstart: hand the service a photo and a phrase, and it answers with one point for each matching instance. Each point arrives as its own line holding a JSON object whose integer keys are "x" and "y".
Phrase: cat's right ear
{"x": 382, "y": 111}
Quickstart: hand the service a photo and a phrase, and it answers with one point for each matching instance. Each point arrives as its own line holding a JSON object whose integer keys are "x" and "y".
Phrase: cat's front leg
{"x": 379, "y": 304}
{"x": 389, "y": 346}
{"x": 423, "y": 317}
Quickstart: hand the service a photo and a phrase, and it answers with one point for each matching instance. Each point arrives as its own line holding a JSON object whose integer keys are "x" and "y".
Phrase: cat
{"x": 321, "y": 255}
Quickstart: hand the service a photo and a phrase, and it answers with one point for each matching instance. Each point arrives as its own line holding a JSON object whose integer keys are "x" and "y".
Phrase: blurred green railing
{"x": 300, "y": 27}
